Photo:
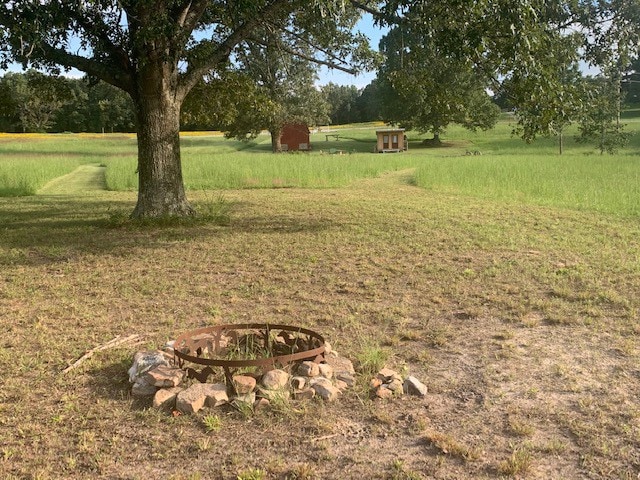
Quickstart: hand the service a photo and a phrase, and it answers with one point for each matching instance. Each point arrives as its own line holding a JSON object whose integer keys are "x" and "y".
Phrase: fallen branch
{"x": 325, "y": 437}
{"x": 113, "y": 343}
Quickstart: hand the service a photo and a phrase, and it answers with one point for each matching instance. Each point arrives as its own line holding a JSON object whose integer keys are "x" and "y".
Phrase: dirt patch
{"x": 522, "y": 322}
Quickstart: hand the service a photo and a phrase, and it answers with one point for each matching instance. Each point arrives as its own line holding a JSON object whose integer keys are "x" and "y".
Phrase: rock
{"x": 164, "y": 376}
{"x": 192, "y": 399}
{"x": 275, "y": 379}
{"x": 142, "y": 389}
{"x": 304, "y": 394}
{"x": 298, "y": 383}
{"x": 347, "y": 378}
{"x": 383, "y": 392}
{"x": 247, "y": 398}
{"x": 326, "y": 370}
{"x": 146, "y": 360}
{"x": 413, "y": 386}
{"x": 261, "y": 404}
{"x": 395, "y": 386}
{"x": 340, "y": 385}
{"x": 215, "y": 394}
{"x": 375, "y": 383}
{"x": 308, "y": 369}
{"x": 340, "y": 365}
{"x": 165, "y": 398}
{"x": 325, "y": 389}
{"x": 243, "y": 384}
{"x": 327, "y": 348}
{"x": 387, "y": 375}
{"x": 274, "y": 395}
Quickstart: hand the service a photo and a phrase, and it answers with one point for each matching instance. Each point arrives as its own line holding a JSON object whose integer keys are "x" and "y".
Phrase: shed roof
{"x": 389, "y": 130}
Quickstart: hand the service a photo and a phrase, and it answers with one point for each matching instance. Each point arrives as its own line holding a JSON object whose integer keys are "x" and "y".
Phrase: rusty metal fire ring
{"x": 192, "y": 345}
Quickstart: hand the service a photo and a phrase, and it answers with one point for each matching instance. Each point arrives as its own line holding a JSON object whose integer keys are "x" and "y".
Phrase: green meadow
{"x": 507, "y": 281}
{"x": 491, "y": 164}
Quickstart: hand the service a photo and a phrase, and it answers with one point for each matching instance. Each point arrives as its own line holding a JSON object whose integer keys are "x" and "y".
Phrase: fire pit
{"x": 243, "y": 346}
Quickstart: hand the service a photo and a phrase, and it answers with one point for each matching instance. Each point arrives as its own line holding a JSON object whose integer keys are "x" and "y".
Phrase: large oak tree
{"x": 156, "y": 51}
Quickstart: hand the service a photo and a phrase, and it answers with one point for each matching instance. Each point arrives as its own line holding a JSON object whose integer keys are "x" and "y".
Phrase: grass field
{"x": 518, "y": 311}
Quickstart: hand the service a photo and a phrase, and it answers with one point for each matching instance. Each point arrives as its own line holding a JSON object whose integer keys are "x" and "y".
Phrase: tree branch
{"x": 120, "y": 79}
{"x": 223, "y": 51}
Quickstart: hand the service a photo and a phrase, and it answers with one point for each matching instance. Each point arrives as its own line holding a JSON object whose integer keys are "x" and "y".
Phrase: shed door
{"x": 394, "y": 141}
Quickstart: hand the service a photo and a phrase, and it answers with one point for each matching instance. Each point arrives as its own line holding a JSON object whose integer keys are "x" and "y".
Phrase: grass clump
{"x": 518, "y": 464}
{"x": 212, "y": 423}
{"x": 449, "y": 445}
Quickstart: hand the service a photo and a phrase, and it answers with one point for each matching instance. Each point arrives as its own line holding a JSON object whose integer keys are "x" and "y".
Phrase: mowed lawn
{"x": 516, "y": 306}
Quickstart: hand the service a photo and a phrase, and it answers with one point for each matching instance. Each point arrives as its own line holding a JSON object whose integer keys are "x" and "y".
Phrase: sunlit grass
{"x": 492, "y": 164}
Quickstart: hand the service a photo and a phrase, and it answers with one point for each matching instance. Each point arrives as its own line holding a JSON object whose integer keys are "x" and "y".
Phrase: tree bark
{"x": 276, "y": 140}
{"x": 161, "y": 190}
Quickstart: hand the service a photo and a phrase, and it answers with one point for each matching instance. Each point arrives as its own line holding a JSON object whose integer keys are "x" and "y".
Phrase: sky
{"x": 366, "y": 26}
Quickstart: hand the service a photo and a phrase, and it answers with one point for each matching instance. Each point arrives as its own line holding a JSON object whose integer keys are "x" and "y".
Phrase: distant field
{"x": 503, "y": 167}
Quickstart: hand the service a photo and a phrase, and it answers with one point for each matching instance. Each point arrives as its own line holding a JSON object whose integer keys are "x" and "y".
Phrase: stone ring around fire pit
{"x": 264, "y": 346}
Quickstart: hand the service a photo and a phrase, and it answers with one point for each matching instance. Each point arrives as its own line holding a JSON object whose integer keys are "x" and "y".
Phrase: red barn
{"x": 295, "y": 136}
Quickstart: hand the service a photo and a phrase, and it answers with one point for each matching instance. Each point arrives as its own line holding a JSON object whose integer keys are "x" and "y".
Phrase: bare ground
{"x": 521, "y": 320}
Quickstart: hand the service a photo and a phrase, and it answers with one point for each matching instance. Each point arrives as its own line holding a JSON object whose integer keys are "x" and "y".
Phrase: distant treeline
{"x": 36, "y": 102}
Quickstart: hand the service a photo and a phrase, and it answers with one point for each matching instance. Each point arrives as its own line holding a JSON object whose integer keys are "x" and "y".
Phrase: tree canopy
{"x": 424, "y": 88}
{"x": 158, "y": 50}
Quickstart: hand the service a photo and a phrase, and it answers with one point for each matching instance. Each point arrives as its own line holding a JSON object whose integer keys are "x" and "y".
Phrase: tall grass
{"x": 29, "y": 161}
{"x": 601, "y": 183}
{"x": 21, "y": 177}
{"x": 264, "y": 170}
{"x": 512, "y": 171}
{"x": 508, "y": 169}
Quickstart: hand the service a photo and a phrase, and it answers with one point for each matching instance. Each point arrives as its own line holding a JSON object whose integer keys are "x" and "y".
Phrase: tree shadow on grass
{"x": 44, "y": 230}
{"x": 111, "y": 382}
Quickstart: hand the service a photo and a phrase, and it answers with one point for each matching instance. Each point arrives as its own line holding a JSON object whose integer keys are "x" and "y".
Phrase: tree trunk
{"x": 276, "y": 140}
{"x": 161, "y": 188}
{"x": 560, "y": 142}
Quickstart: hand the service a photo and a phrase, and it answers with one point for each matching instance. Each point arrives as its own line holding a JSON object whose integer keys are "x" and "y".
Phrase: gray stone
{"x": 164, "y": 376}
{"x": 142, "y": 389}
{"x": 275, "y": 379}
{"x": 325, "y": 389}
{"x": 298, "y": 383}
{"x": 413, "y": 386}
{"x": 340, "y": 364}
{"x": 308, "y": 369}
{"x": 347, "y": 378}
{"x": 248, "y": 398}
{"x": 275, "y": 394}
{"x": 165, "y": 398}
{"x": 145, "y": 361}
{"x": 304, "y": 394}
{"x": 215, "y": 394}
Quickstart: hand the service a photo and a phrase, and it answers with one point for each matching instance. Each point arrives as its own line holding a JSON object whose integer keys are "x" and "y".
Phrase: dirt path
{"x": 84, "y": 179}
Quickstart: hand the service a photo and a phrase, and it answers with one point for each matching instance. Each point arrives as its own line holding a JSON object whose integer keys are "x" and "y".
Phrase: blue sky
{"x": 366, "y": 26}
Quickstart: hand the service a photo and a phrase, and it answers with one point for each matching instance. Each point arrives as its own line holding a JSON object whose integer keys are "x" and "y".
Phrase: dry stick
{"x": 115, "y": 342}
{"x": 325, "y": 437}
